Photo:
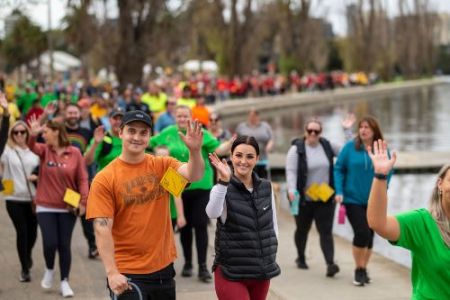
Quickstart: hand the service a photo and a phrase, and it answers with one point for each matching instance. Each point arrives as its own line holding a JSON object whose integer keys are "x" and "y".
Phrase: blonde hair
{"x": 11, "y": 140}
{"x": 436, "y": 209}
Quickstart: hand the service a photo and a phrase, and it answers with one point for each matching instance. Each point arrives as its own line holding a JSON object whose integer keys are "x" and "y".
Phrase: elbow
{"x": 211, "y": 214}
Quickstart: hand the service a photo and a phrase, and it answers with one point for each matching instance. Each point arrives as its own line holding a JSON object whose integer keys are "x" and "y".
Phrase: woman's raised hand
{"x": 223, "y": 170}
{"x": 35, "y": 126}
{"x": 348, "y": 121}
{"x": 381, "y": 162}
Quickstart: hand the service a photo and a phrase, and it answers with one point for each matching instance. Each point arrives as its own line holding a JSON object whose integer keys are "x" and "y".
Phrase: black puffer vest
{"x": 302, "y": 167}
{"x": 246, "y": 244}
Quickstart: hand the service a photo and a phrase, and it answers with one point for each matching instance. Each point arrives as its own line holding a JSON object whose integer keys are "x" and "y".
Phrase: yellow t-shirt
{"x": 157, "y": 104}
{"x": 131, "y": 195}
{"x": 13, "y": 111}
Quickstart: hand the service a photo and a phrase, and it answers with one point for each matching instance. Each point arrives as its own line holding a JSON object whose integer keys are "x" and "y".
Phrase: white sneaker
{"x": 47, "y": 280}
{"x": 66, "y": 291}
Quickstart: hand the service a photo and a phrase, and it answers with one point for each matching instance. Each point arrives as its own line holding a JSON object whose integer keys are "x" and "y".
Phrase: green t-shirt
{"x": 170, "y": 138}
{"x": 47, "y": 98}
{"x": 25, "y": 101}
{"x": 173, "y": 208}
{"x": 102, "y": 157}
{"x": 430, "y": 274}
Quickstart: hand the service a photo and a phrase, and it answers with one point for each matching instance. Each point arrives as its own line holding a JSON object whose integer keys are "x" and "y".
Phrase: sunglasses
{"x": 311, "y": 131}
{"x": 16, "y": 132}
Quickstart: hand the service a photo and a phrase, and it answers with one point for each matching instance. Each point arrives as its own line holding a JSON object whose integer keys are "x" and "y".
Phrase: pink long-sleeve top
{"x": 57, "y": 173}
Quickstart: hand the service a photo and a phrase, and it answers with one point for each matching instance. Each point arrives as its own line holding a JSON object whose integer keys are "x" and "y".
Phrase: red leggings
{"x": 247, "y": 289}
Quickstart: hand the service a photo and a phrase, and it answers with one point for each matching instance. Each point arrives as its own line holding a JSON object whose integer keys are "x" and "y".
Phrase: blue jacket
{"x": 353, "y": 174}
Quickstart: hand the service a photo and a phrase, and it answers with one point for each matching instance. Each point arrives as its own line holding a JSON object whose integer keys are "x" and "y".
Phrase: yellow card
{"x": 173, "y": 182}
{"x": 72, "y": 198}
{"x": 8, "y": 186}
{"x": 313, "y": 192}
{"x": 325, "y": 192}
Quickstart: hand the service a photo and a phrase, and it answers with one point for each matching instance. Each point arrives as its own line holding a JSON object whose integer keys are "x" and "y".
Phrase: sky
{"x": 332, "y": 10}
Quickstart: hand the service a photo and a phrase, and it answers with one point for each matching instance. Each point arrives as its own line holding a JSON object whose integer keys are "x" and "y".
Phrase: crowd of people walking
{"x": 139, "y": 167}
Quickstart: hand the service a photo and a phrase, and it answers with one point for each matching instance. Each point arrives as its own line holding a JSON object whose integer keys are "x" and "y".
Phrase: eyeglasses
{"x": 16, "y": 132}
{"x": 311, "y": 131}
{"x": 213, "y": 120}
{"x": 171, "y": 103}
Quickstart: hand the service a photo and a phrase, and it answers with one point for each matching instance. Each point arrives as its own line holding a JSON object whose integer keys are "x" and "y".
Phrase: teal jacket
{"x": 353, "y": 174}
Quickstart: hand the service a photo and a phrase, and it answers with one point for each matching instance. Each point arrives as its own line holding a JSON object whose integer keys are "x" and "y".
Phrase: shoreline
{"x": 238, "y": 107}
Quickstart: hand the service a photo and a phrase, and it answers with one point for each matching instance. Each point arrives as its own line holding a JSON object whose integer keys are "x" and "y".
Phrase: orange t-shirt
{"x": 201, "y": 113}
{"x": 131, "y": 195}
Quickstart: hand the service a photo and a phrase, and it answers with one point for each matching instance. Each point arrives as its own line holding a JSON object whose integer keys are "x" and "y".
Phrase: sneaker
{"x": 301, "y": 264}
{"x": 66, "y": 291}
{"x": 366, "y": 277}
{"x": 47, "y": 280}
{"x": 359, "y": 277}
{"x": 332, "y": 269}
{"x": 203, "y": 273}
{"x": 187, "y": 270}
{"x": 25, "y": 276}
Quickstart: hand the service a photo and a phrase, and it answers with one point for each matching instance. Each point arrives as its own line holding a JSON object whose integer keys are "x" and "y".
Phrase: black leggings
{"x": 357, "y": 216}
{"x": 194, "y": 202}
{"x": 322, "y": 214}
{"x": 57, "y": 231}
{"x": 25, "y": 223}
{"x": 88, "y": 231}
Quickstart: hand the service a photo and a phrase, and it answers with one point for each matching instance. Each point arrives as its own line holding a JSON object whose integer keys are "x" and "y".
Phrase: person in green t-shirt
{"x": 105, "y": 146}
{"x": 176, "y": 203}
{"x": 426, "y": 233}
{"x": 196, "y": 196}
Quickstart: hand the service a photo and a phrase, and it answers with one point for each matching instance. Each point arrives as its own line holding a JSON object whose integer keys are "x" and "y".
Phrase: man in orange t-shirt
{"x": 131, "y": 211}
{"x": 200, "y": 112}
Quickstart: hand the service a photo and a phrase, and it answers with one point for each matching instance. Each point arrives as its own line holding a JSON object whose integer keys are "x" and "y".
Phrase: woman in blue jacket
{"x": 353, "y": 176}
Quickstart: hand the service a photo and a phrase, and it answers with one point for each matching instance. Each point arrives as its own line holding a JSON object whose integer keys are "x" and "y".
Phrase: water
{"x": 416, "y": 120}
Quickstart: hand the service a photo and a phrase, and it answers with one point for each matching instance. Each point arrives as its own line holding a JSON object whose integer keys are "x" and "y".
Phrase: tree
{"x": 81, "y": 31}
{"x": 138, "y": 20}
{"x": 25, "y": 42}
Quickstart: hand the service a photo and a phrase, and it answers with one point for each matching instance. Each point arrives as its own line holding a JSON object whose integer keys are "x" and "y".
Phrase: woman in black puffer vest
{"x": 246, "y": 236}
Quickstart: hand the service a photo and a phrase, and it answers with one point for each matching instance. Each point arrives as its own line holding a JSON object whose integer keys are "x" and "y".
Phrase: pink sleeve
{"x": 37, "y": 148}
{"x": 82, "y": 176}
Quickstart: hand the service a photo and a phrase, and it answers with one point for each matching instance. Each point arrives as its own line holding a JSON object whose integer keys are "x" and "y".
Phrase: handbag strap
{"x": 24, "y": 174}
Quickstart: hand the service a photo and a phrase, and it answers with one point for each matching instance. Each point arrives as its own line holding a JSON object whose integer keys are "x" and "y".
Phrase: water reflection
{"x": 415, "y": 120}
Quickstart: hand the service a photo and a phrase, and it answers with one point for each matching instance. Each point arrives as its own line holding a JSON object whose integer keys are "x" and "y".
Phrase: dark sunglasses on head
{"x": 311, "y": 131}
{"x": 16, "y": 132}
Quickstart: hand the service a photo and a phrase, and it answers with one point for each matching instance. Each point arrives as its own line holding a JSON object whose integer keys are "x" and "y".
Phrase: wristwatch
{"x": 380, "y": 176}
{"x": 222, "y": 182}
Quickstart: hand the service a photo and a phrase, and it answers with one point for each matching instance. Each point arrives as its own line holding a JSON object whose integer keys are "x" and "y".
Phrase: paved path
{"x": 391, "y": 281}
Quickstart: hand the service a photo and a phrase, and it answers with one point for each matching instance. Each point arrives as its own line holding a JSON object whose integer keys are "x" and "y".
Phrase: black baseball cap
{"x": 136, "y": 115}
{"x": 117, "y": 112}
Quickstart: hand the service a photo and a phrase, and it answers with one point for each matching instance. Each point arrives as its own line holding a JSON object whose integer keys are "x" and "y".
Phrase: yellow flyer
{"x": 72, "y": 198}
{"x": 313, "y": 192}
{"x": 325, "y": 192}
{"x": 8, "y": 186}
{"x": 173, "y": 182}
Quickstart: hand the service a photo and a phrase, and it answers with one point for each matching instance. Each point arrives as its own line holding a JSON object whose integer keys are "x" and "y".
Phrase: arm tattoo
{"x": 103, "y": 222}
